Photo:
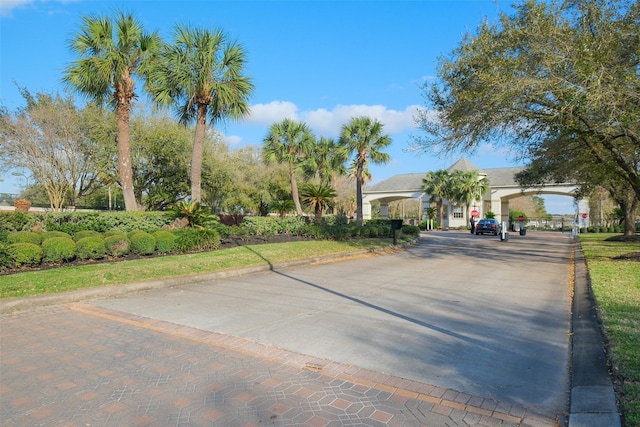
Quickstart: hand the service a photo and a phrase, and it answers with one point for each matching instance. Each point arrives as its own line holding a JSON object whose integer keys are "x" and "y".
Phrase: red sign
{"x": 585, "y": 216}
{"x": 474, "y": 213}
{"x": 520, "y": 218}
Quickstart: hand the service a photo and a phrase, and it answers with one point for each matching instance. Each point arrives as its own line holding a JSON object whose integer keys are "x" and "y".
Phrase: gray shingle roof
{"x": 498, "y": 177}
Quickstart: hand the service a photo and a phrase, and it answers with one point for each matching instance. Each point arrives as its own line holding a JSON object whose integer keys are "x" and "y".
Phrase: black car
{"x": 488, "y": 226}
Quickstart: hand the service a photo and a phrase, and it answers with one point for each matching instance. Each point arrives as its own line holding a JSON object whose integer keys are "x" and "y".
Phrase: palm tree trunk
{"x": 124, "y": 158}
{"x": 197, "y": 154}
{"x": 359, "y": 213}
{"x": 294, "y": 190}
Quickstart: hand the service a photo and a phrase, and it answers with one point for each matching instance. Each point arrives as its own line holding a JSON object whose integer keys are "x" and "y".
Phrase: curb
{"x": 593, "y": 400}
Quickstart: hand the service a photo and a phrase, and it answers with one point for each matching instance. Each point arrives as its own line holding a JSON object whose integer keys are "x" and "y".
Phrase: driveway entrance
{"x": 465, "y": 312}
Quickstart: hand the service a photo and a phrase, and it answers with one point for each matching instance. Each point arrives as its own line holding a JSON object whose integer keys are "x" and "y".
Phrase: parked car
{"x": 488, "y": 226}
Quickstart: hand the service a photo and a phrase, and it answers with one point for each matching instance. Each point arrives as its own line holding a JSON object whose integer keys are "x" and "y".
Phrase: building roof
{"x": 497, "y": 177}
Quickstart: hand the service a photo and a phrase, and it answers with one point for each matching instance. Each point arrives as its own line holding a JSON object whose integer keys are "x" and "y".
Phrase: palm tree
{"x": 467, "y": 187}
{"x": 282, "y": 206}
{"x": 437, "y": 186}
{"x": 201, "y": 75}
{"x": 318, "y": 197}
{"x": 363, "y": 136}
{"x": 111, "y": 53}
{"x": 289, "y": 142}
{"x": 353, "y": 171}
{"x": 326, "y": 160}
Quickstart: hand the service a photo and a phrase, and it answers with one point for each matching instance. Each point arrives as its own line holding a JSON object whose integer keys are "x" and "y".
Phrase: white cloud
{"x": 7, "y": 6}
{"x": 232, "y": 140}
{"x": 329, "y": 122}
{"x": 275, "y": 111}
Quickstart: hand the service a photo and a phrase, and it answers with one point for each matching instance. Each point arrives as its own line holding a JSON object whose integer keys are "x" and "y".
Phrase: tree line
{"x": 71, "y": 155}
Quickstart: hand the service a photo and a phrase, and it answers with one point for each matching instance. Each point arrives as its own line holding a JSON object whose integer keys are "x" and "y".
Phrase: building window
{"x": 457, "y": 212}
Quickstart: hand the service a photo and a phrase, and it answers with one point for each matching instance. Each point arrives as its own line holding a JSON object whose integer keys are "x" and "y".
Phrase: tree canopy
{"x": 557, "y": 80}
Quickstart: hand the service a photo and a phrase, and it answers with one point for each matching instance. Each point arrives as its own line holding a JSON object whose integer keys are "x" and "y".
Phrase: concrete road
{"x": 465, "y": 312}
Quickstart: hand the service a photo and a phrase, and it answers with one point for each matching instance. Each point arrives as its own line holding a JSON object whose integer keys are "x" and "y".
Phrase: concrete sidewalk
{"x": 172, "y": 356}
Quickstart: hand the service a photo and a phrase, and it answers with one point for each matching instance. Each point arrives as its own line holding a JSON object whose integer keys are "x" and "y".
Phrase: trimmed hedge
{"x": 86, "y": 233}
{"x": 91, "y": 247}
{"x": 58, "y": 249}
{"x": 51, "y": 234}
{"x": 25, "y": 237}
{"x": 25, "y": 254}
{"x": 16, "y": 221}
{"x": 117, "y": 245}
{"x": 196, "y": 240}
{"x": 142, "y": 243}
{"x": 165, "y": 241}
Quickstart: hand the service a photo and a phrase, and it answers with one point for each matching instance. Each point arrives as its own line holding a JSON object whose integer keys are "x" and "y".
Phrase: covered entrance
{"x": 502, "y": 188}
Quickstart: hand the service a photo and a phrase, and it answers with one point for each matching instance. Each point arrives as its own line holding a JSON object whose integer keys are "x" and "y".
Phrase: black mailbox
{"x": 396, "y": 224}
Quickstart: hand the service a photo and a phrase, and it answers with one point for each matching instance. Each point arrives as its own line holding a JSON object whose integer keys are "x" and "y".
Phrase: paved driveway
{"x": 464, "y": 312}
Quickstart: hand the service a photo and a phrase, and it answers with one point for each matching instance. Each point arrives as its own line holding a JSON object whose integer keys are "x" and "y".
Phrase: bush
{"x": 117, "y": 245}
{"x": 165, "y": 241}
{"x": 51, "y": 234}
{"x": 411, "y": 230}
{"x": 196, "y": 239}
{"x": 16, "y": 221}
{"x": 91, "y": 247}
{"x": 25, "y": 254}
{"x": 142, "y": 243}
{"x": 291, "y": 224}
{"x": 58, "y": 249}
{"x": 72, "y": 222}
{"x": 260, "y": 225}
{"x": 6, "y": 261}
{"x": 79, "y": 235}
{"x": 25, "y": 237}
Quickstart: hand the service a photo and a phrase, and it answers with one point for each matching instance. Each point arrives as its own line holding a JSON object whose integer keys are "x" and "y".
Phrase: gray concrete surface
{"x": 464, "y": 312}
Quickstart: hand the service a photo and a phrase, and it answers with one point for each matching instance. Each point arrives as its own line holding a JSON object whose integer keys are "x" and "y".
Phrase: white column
{"x": 366, "y": 210}
{"x": 504, "y": 211}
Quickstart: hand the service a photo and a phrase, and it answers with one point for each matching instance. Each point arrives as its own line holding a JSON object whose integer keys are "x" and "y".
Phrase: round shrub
{"x": 91, "y": 247}
{"x": 133, "y": 232}
{"x": 117, "y": 245}
{"x": 196, "y": 239}
{"x": 58, "y": 249}
{"x": 85, "y": 233}
{"x": 25, "y": 254}
{"x": 52, "y": 234}
{"x": 25, "y": 237}
{"x": 142, "y": 243}
{"x": 165, "y": 241}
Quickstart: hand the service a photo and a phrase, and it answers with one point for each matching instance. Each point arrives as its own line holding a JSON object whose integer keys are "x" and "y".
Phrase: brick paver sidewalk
{"x": 81, "y": 365}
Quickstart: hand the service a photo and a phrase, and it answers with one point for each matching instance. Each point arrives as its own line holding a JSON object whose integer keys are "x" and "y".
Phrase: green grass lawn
{"x": 616, "y": 287}
{"x": 71, "y": 278}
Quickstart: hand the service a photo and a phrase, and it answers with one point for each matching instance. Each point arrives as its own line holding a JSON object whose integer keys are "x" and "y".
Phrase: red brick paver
{"x": 81, "y": 365}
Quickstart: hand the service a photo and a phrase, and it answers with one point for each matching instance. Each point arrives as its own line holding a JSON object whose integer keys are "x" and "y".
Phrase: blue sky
{"x": 321, "y": 62}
